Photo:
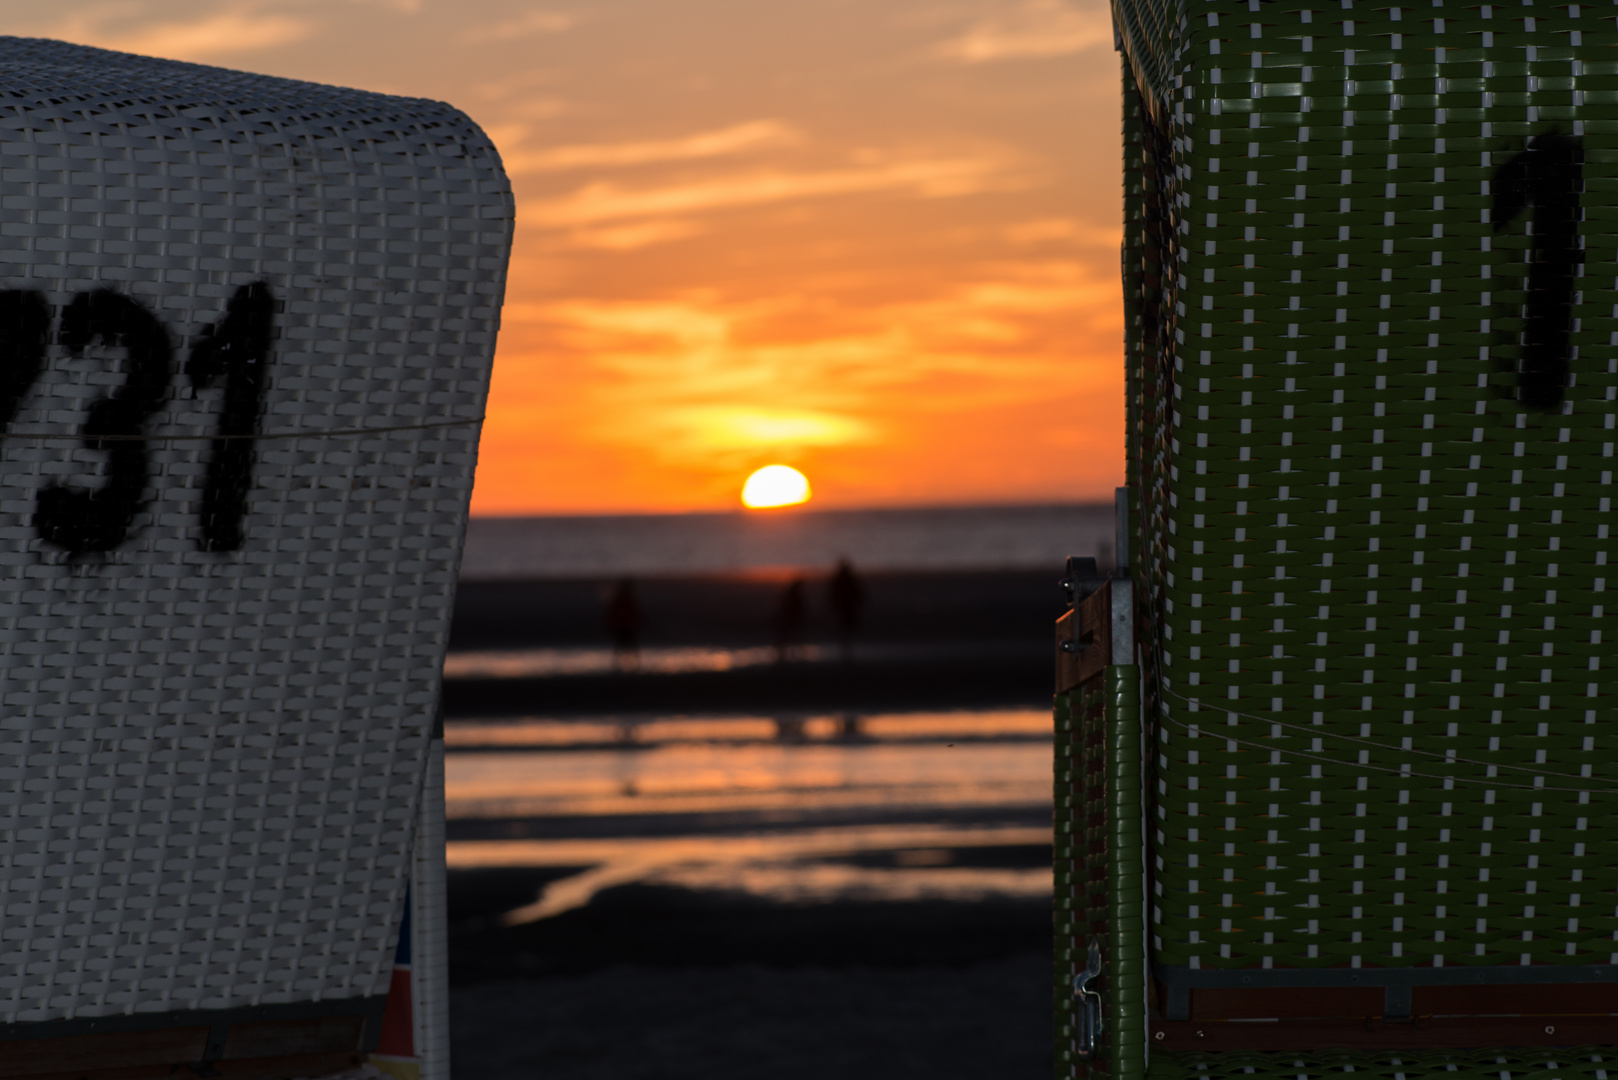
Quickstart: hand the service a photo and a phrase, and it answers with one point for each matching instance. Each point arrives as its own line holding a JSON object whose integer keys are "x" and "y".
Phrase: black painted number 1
{"x": 1549, "y": 176}
{"x": 237, "y": 347}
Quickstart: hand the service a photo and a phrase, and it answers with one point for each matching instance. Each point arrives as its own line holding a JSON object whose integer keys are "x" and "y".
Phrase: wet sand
{"x": 650, "y": 982}
{"x": 723, "y": 866}
{"x": 897, "y": 932}
{"x": 984, "y": 1022}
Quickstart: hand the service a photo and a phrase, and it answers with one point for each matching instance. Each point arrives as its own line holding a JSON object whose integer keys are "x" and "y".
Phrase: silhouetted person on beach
{"x": 790, "y": 616}
{"x": 847, "y": 596}
{"x": 623, "y": 624}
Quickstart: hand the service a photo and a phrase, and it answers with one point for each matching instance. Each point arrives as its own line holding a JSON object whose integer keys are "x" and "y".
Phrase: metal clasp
{"x": 1078, "y": 645}
{"x": 1087, "y": 1004}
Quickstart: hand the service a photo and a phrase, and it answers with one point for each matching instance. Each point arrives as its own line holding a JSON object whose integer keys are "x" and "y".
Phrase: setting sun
{"x": 775, "y": 485}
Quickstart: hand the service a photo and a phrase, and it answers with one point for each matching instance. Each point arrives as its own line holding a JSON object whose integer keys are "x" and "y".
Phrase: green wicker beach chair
{"x": 1335, "y": 767}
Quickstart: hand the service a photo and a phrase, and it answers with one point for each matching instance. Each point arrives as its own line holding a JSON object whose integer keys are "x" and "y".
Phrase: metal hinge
{"x": 1087, "y": 1004}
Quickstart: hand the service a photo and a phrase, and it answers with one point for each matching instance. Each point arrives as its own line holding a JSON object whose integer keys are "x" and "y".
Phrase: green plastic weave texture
{"x": 1071, "y": 863}
{"x": 1080, "y": 857}
{"x": 1126, "y": 873}
{"x": 1573, "y": 1063}
{"x": 1098, "y": 869}
{"x": 1374, "y": 513}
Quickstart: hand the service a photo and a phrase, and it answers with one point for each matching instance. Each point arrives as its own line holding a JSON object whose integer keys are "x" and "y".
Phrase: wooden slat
{"x": 136, "y": 1072}
{"x": 278, "y": 1048}
{"x": 281, "y": 1038}
{"x": 1319, "y": 1002}
{"x": 1092, "y": 618}
{"x": 1355, "y": 1003}
{"x": 293, "y": 1065}
{"x": 114, "y": 1050}
{"x": 1549, "y": 1000}
{"x": 301, "y": 1065}
{"x": 1422, "y": 1033}
{"x": 1067, "y": 665}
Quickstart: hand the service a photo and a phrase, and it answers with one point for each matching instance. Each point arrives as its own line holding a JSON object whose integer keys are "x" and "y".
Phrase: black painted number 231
{"x": 235, "y": 349}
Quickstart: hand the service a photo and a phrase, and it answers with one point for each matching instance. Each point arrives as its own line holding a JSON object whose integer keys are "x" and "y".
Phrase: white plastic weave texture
{"x": 429, "y": 927}
{"x": 214, "y": 729}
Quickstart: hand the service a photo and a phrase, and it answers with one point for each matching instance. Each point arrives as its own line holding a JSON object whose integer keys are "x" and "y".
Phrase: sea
{"x": 936, "y": 538}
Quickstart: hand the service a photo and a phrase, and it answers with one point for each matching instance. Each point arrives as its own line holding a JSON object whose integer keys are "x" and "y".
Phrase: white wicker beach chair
{"x": 246, "y": 329}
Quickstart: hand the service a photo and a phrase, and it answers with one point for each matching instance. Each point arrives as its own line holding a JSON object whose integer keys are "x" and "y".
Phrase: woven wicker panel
{"x": 1573, "y": 1063}
{"x": 1097, "y": 870}
{"x": 213, "y": 723}
{"x": 1374, "y": 517}
{"x": 1079, "y": 855}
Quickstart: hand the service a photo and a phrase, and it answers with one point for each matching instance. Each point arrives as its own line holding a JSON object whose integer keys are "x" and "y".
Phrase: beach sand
{"x": 750, "y": 1022}
{"x": 666, "y": 983}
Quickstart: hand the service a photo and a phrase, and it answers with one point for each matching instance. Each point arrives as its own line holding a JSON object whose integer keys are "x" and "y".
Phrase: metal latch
{"x": 1087, "y": 1004}
{"x": 1082, "y": 578}
{"x": 1069, "y": 645}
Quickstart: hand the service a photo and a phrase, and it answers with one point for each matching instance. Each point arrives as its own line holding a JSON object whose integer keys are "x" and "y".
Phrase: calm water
{"x": 961, "y": 538}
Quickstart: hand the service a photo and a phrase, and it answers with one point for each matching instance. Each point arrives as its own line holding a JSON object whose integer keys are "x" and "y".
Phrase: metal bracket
{"x": 214, "y": 1052}
{"x": 1087, "y": 1003}
{"x": 1123, "y": 620}
{"x": 1072, "y": 645}
{"x": 1081, "y": 578}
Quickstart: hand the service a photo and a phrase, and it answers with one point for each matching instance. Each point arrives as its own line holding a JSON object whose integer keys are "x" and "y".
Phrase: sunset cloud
{"x": 206, "y": 38}
{"x": 934, "y": 178}
{"x": 1064, "y": 230}
{"x": 734, "y": 139}
{"x": 527, "y": 25}
{"x": 635, "y": 236}
{"x": 1034, "y": 28}
{"x": 719, "y": 366}
{"x": 731, "y": 427}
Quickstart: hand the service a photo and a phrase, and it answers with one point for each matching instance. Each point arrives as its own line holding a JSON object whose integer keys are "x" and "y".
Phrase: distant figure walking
{"x": 623, "y": 625}
{"x": 847, "y": 596}
{"x": 790, "y": 616}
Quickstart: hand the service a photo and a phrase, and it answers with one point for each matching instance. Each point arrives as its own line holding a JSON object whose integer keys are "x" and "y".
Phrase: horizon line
{"x": 799, "y": 510}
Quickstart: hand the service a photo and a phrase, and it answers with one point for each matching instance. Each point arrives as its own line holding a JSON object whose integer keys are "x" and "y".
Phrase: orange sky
{"x": 877, "y": 241}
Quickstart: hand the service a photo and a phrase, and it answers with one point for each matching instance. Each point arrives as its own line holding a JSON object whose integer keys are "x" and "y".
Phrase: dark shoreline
{"x": 967, "y": 639}
{"x": 739, "y": 610}
{"x": 988, "y": 682}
